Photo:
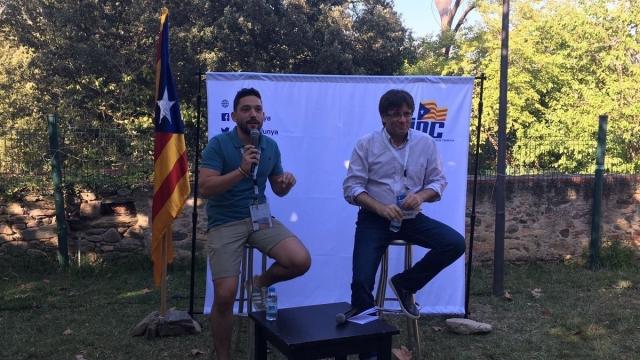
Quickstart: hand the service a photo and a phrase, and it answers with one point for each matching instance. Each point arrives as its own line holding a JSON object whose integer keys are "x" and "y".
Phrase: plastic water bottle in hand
{"x": 394, "y": 225}
{"x": 272, "y": 304}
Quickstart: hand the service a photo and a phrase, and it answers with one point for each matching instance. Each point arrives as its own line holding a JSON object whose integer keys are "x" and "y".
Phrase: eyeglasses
{"x": 397, "y": 115}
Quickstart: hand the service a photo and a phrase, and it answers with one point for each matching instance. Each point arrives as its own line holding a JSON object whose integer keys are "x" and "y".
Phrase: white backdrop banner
{"x": 316, "y": 120}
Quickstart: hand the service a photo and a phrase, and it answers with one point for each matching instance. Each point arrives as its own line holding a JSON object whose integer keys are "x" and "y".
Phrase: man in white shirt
{"x": 391, "y": 173}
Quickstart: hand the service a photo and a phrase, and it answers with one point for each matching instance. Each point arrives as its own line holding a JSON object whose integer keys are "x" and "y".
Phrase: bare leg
{"x": 222, "y": 315}
{"x": 292, "y": 260}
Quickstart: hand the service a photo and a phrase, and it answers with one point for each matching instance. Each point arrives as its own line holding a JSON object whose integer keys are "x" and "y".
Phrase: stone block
{"x": 94, "y": 238}
{"x": 111, "y": 236}
{"x": 134, "y": 232}
{"x": 468, "y": 326}
{"x": 15, "y": 248}
{"x": 129, "y": 245}
{"x": 114, "y": 221}
{"x": 14, "y": 209}
{"x": 36, "y": 253}
{"x": 42, "y": 212}
{"x": 5, "y": 238}
{"x": 90, "y": 210}
{"x": 43, "y": 232}
{"x": 87, "y": 196}
{"x": 6, "y": 229}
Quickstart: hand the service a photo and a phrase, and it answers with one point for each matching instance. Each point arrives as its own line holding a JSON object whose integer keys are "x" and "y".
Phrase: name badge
{"x": 260, "y": 215}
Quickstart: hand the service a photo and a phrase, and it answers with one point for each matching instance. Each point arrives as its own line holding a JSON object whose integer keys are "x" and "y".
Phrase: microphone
{"x": 255, "y": 141}
{"x": 342, "y": 318}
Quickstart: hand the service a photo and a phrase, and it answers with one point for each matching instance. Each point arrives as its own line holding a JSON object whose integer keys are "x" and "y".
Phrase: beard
{"x": 246, "y": 126}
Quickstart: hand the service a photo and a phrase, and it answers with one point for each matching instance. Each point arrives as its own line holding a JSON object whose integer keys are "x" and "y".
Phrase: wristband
{"x": 244, "y": 173}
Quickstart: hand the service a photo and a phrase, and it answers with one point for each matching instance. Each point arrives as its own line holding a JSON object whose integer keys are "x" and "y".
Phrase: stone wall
{"x": 550, "y": 218}
{"x": 546, "y": 219}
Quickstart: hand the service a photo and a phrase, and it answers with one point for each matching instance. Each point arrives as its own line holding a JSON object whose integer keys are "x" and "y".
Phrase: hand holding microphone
{"x": 255, "y": 141}
{"x": 251, "y": 154}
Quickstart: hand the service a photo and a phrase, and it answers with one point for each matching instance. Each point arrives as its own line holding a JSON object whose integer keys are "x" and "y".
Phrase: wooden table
{"x": 311, "y": 332}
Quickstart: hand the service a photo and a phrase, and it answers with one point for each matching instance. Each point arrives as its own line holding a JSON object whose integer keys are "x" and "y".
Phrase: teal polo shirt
{"x": 223, "y": 154}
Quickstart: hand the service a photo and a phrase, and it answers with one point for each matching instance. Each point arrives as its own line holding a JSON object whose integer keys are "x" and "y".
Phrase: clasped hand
{"x": 394, "y": 212}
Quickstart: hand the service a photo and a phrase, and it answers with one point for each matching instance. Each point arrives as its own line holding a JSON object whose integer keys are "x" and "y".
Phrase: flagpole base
{"x": 174, "y": 323}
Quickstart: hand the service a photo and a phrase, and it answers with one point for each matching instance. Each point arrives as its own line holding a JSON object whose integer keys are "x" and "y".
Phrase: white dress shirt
{"x": 375, "y": 169}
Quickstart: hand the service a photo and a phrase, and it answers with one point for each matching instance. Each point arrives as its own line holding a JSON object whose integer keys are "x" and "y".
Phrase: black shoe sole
{"x": 404, "y": 310}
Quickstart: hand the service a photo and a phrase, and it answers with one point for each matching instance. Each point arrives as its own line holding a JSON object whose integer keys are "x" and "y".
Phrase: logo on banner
{"x": 431, "y": 119}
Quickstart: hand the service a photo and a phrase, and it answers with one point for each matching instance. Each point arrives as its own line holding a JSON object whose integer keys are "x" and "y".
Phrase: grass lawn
{"x": 552, "y": 311}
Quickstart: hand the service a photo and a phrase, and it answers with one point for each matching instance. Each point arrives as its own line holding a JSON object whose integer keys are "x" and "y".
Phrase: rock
{"x": 41, "y": 212}
{"x": 467, "y": 326}
{"x": 5, "y": 229}
{"x": 43, "y": 232}
{"x": 5, "y": 238}
{"x": 114, "y": 221}
{"x": 14, "y": 209}
{"x": 134, "y": 232}
{"x": 129, "y": 245}
{"x": 88, "y": 196}
{"x": 111, "y": 236}
{"x": 33, "y": 198}
{"x": 15, "y": 248}
{"x": 36, "y": 253}
{"x": 174, "y": 323}
{"x": 94, "y": 238}
{"x": 90, "y": 210}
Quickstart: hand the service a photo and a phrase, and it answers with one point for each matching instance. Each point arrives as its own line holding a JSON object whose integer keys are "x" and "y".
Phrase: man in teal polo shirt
{"x": 233, "y": 178}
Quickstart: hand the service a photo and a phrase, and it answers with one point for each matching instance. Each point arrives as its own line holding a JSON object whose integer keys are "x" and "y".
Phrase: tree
{"x": 448, "y": 10}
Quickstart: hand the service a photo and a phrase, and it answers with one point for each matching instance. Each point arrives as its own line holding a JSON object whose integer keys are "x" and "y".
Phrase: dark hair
{"x": 244, "y": 92}
{"x": 394, "y": 99}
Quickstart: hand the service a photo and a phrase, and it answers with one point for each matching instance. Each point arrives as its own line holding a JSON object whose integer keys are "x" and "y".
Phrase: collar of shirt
{"x": 388, "y": 138}
{"x": 235, "y": 139}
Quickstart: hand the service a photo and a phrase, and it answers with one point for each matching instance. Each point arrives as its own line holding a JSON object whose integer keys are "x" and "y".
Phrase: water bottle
{"x": 394, "y": 225}
{"x": 272, "y": 304}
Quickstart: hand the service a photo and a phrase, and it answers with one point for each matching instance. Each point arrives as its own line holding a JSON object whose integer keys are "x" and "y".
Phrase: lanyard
{"x": 396, "y": 154}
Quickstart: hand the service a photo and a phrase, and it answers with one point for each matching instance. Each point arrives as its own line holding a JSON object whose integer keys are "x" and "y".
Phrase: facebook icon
{"x": 225, "y": 117}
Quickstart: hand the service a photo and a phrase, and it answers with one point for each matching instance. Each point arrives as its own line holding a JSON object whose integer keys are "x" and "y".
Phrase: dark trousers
{"x": 372, "y": 238}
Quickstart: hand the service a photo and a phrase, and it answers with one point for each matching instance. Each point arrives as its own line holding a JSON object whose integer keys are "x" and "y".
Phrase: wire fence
{"x": 108, "y": 159}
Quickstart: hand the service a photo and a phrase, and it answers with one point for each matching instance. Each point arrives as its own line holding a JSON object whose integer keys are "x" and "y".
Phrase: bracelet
{"x": 244, "y": 173}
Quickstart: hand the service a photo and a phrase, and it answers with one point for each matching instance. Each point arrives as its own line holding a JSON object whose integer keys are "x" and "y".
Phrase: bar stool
{"x": 412, "y": 324}
{"x": 247, "y": 273}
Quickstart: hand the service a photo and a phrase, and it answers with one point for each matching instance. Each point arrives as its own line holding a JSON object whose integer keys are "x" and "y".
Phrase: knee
{"x": 224, "y": 302}
{"x": 458, "y": 245}
{"x": 302, "y": 264}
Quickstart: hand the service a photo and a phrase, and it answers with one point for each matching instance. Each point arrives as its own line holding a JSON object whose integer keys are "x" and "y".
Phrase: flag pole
{"x": 163, "y": 281}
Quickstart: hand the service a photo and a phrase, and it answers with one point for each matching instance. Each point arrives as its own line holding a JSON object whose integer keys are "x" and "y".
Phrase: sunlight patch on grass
{"x": 623, "y": 284}
{"x": 136, "y": 293}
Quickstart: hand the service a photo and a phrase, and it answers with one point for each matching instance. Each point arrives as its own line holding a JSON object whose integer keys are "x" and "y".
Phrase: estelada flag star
{"x": 171, "y": 171}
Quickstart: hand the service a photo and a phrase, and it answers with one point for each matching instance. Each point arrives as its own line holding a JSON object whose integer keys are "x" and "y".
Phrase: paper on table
{"x": 365, "y": 316}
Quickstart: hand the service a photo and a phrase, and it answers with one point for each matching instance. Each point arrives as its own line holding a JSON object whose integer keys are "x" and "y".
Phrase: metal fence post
{"x": 56, "y": 175}
{"x": 594, "y": 246}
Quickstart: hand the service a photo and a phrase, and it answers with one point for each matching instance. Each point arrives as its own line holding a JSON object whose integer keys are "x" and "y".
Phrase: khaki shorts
{"x": 225, "y": 244}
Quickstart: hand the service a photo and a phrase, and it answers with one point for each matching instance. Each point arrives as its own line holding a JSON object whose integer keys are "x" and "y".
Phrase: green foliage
{"x": 569, "y": 62}
{"x": 616, "y": 255}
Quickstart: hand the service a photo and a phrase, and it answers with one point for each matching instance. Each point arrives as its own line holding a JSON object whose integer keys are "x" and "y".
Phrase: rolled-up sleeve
{"x": 357, "y": 174}
{"x": 434, "y": 173}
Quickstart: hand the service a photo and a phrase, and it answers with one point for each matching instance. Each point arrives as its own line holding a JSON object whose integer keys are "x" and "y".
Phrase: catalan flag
{"x": 428, "y": 110}
{"x": 171, "y": 171}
